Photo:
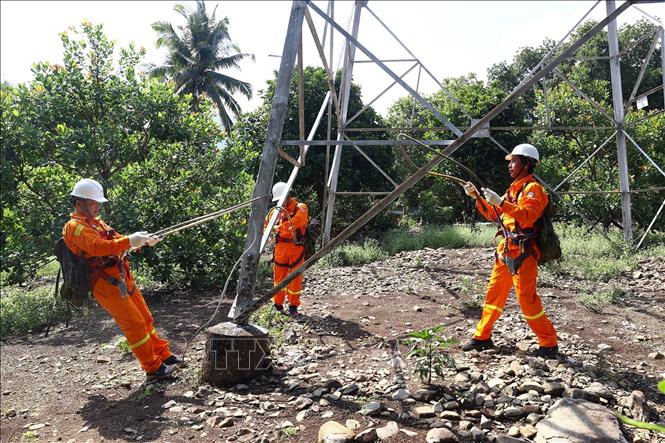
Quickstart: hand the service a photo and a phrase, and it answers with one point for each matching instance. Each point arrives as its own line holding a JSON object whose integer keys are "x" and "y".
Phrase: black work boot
{"x": 279, "y": 308}
{"x": 546, "y": 351}
{"x": 164, "y": 371}
{"x": 293, "y": 311}
{"x": 478, "y": 345}
{"x": 173, "y": 360}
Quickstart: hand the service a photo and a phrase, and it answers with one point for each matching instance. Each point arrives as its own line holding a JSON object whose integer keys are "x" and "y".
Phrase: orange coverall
{"x": 120, "y": 297}
{"x": 289, "y": 255}
{"x": 524, "y": 210}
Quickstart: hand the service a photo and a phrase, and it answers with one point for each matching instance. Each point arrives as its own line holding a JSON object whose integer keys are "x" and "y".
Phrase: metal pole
{"x": 427, "y": 105}
{"x": 301, "y": 98}
{"x": 345, "y": 93}
{"x": 617, "y": 101}
{"x": 250, "y": 262}
{"x": 650, "y": 225}
{"x": 584, "y": 162}
{"x": 581, "y": 93}
{"x": 632, "y": 140}
{"x": 662, "y": 59}
{"x": 643, "y": 68}
{"x": 294, "y": 171}
{"x": 420, "y": 173}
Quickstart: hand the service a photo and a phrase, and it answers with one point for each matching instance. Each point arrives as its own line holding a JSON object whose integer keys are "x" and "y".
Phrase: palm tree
{"x": 197, "y": 53}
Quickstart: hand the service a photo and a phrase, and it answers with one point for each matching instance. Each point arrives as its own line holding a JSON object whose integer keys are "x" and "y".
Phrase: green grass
{"x": 351, "y": 254}
{"x": 28, "y": 310}
{"x": 590, "y": 256}
{"x": 598, "y": 300}
{"x": 452, "y": 237}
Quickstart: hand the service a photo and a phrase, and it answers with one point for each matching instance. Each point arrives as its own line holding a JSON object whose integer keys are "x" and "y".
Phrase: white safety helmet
{"x": 278, "y": 190}
{"x": 526, "y": 150}
{"x": 90, "y": 189}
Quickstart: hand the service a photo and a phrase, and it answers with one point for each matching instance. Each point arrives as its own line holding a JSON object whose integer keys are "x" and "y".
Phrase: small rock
{"x": 424, "y": 395}
{"x": 388, "y": 431}
{"x": 352, "y": 424}
{"x": 513, "y": 412}
{"x": 400, "y": 394}
{"x": 528, "y": 431}
{"x": 213, "y": 421}
{"x": 372, "y": 409}
{"x": 103, "y": 359}
{"x": 657, "y": 355}
{"x": 424, "y": 411}
{"x": 367, "y": 436}
{"x": 440, "y": 435}
{"x": 226, "y": 423}
{"x": 36, "y": 427}
{"x": 332, "y": 431}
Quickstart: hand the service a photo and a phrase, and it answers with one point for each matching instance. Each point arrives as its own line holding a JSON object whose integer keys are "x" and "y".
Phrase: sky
{"x": 451, "y": 38}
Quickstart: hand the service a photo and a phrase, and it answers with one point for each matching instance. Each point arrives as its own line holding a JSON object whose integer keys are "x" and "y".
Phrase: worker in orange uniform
{"x": 111, "y": 280}
{"x": 289, "y": 248}
{"x": 516, "y": 257}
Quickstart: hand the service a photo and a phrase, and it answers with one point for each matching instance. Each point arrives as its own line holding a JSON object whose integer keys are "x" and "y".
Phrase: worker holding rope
{"x": 289, "y": 248}
{"x": 111, "y": 280}
{"x": 516, "y": 256}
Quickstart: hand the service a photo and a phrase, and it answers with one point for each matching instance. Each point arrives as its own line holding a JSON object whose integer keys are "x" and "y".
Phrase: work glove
{"x": 139, "y": 239}
{"x": 471, "y": 190}
{"x": 492, "y": 197}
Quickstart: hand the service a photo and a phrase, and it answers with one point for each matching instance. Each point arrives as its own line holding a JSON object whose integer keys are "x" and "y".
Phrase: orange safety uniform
{"x": 113, "y": 286}
{"x": 289, "y": 254}
{"x": 523, "y": 204}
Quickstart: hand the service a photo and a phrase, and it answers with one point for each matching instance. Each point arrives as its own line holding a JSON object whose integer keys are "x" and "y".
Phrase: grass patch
{"x": 452, "y": 237}
{"x": 351, "y": 254}
{"x": 28, "y": 310}
{"x": 590, "y": 256}
{"x": 272, "y": 320}
{"x": 597, "y": 301}
{"x": 472, "y": 292}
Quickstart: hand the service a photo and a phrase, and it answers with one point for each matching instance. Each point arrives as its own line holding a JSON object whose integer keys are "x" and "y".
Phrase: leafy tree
{"x": 356, "y": 173}
{"x": 436, "y": 200}
{"x": 197, "y": 55}
{"x": 159, "y": 162}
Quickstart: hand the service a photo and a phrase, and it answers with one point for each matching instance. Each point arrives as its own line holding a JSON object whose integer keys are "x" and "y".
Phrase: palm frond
{"x": 231, "y": 84}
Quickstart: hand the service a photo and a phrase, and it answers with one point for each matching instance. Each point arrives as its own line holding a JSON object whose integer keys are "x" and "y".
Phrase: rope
{"x": 203, "y": 218}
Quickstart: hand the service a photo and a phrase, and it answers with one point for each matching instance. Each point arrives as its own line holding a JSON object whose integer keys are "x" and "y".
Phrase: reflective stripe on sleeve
{"x": 78, "y": 230}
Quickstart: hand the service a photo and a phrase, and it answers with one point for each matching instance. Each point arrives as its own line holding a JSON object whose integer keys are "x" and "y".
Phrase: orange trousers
{"x": 131, "y": 313}
{"x": 524, "y": 282}
{"x": 288, "y": 257}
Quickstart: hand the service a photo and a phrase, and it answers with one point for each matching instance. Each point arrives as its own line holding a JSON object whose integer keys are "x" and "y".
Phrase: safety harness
{"x": 299, "y": 240}
{"x": 524, "y": 238}
{"x": 99, "y": 265}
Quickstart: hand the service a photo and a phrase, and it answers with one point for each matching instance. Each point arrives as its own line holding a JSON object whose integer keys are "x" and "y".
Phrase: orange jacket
{"x": 525, "y": 210}
{"x": 299, "y": 214}
{"x": 87, "y": 237}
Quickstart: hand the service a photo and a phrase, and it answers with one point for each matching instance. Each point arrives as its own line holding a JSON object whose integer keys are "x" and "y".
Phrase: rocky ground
{"x": 341, "y": 371}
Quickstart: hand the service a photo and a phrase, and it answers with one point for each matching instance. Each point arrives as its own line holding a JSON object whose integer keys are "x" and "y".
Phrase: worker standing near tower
{"x": 289, "y": 253}
{"x": 516, "y": 256}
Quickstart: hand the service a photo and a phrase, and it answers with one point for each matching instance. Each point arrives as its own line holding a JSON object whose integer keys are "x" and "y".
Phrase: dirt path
{"x": 76, "y": 385}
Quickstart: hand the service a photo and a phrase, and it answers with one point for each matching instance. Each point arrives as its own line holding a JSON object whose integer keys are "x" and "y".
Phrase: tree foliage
{"x": 159, "y": 162}
{"x": 435, "y": 200}
{"x": 198, "y": 55}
